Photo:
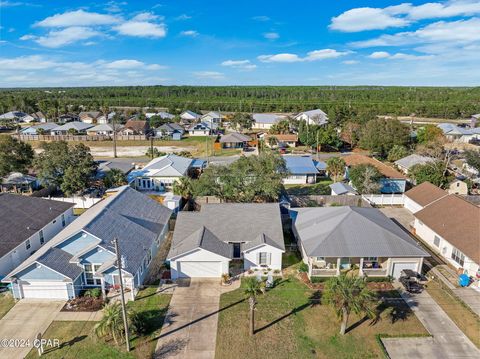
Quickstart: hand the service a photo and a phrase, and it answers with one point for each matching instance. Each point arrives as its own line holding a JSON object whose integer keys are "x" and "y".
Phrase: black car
{"x": 410, "y": 281}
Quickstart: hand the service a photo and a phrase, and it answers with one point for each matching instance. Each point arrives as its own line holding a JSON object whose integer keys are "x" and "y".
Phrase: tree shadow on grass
{"x": 395, "y": 307}
{"x": 69, "y": 343}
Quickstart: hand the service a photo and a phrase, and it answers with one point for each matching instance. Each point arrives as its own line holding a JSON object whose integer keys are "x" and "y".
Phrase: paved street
{"x": 24, "y": 321}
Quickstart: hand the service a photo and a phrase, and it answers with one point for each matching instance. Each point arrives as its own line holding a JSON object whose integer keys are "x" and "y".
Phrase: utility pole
{"x": 317, "y": 144}
{"x": 122, "y": 298}
{"x": 206, "y": 147}
{"x": 151, "y": 146}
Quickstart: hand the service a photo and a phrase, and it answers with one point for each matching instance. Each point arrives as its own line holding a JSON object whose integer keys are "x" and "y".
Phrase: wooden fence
{"x": 82, "y": 138}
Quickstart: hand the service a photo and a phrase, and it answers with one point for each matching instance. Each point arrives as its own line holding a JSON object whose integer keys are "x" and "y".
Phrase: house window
{"x": 370, "y": 259}
{"x": 236, "y": 250}
{"x": 27, "y": 244}
{"x": 262, "y": 258}
{"x": 42, "y": 239}
{"x": 436, "y": 241}
{"x": 458, "y": 256}
{"x": 63, "y": 220}
{"x": 319, "y": 259}
{"x": 89, "y": 271}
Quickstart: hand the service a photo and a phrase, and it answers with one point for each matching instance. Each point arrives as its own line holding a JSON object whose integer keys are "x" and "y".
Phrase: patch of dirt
{"x": 83, "y": 304}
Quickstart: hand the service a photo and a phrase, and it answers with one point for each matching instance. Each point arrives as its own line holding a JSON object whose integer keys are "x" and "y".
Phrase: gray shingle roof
{"x": 234, "y": 137}
{"x": 168, "y": 165}
{"x": 21, "y": 217}
{"x": 79, "y": 126}
{"x": 59, "y": 260}
{"x": 252, "y": 223}
{"x": 352, "y": 232}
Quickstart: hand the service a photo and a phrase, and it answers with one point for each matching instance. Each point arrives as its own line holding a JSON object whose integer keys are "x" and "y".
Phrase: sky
{"x": 261, "y": 42}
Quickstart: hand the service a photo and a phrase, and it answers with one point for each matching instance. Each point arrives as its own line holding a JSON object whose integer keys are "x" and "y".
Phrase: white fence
{"x": 80, "y": 202}
{"x": 385, "y": 199}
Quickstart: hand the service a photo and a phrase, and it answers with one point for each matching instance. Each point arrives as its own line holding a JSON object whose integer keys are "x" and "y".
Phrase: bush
{"x": 319, "y": 279}
{"x": 379, "y": 279}
{"x": 138, "y": 323}
{"x": 93, "y": 293}
{"x": 303, "y": 267}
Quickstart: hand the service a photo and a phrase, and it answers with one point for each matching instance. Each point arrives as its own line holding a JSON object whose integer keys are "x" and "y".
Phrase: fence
{"x": 342, "y": 200}
{"x": 80, "y": 202}
{"x": 24, "y": 137}
{"x": 385, "y": 199}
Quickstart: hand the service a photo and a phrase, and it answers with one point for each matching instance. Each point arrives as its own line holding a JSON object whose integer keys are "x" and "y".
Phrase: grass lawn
{"x": 319, "y": 188}
{"x": 289, "y": 326}
{"x": 464, "y": 318}
{"x": 78, "y": 341}
{"x": 6, "y": 303}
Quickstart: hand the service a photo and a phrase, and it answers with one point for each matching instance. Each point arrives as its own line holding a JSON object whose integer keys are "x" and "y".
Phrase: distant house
{"x": 265, "y": 121}
{"x": 213, "y": 119}
{"x": 106, "y": 166}
{"x": 135, "y": 127}
{"x": 313, "y": 117}
{"x": 189, "y": 116}
{"x": 160, "y": 173}
{"x": 82, "y": 256}
{"x": 392, "y": 181}
{"x": 303, "y": 169}
{"x": 17, "y": 182}
{"x": 334, "y": 239}
{"x": 200, "y": 129}
{"x": 340, "y": 189}
{"x": 287, "y": 140}
{"x": 405, "y": 163}
{"x": 450, "y": 227}
{"x": 459, "y": 134}
{"x": 26, "y": 224}
{"x": 79, "y": 128}
{"x": 205, "y": 242}
{"x": 17, "y": 116}
{"x": 39, "y": 116}
{"x": 103, "y": 130}
{"x": 68, "y": 117}
{"x": 235, "y": 140}
{"x": 170, "y": 130}
{"x": 101, "y": 120}
{"x": 422, "y": 195}
{"x": 458, "y": 187}
{"x": 89, "y": 117}
{"x": 44, "y": 128}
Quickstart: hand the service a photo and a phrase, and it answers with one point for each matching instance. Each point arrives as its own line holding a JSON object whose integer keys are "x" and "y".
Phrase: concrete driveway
{"x": 24, "y": 321}
{"x": 190, "y": 328}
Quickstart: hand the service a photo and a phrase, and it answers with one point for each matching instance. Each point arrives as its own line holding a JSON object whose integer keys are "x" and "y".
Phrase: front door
{"x": 236, "y": 250}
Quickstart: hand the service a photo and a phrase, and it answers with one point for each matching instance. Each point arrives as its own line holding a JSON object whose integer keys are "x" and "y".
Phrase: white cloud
{"x": 113, "y": 6}
{"x": 209, "y": 75}
{"x": 67, "y": 36}
{"x": 146, "y": 16}
{"x": 379, "y": 55}
{"x": 239, "y": 64}
{"x": 78, "y": 18}
{"x": 398, "y": 56}
{"x": 350, "y": 62}
{"x": 189, "y": 33}
{"x": 183, "y": 17}
{"x": 141, "y": 29}
{"x": 271, "y": 35}
{"x": 261, "y": 18}
{"x": 365, "y": 18}
{"x": 10, "y": 3}
{"x": 311, "y": 56}
{"x": 132, "y": 64}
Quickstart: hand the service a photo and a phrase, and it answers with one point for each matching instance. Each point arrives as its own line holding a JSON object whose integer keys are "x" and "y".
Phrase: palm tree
{"x": 335, "y": 167}
{"x": 183, "y": 187}
{"x": 252, "y": 288}
{"x": 111, "y": 323}
{"x": 272, "y": 141}
{"x": 348, "y": 294}
{"x": 114, "y": 178}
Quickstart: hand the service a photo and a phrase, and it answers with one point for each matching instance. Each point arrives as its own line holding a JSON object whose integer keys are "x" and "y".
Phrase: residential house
{"x": 89, "y": 117}
{"x": 456, "y": 133}
{"x": 450, "y": 227}
{"x": 161, "y": 114}
{"x": 392, "y": 181}
{"x": 170, "y": 130}
{"x": 83, "y": 256}
{"x": 458, "y": 187}
{"x": 213, "y": 119}
{"x": 303, "y": 169}
{"x": 189, "y": 116}
{"x": 421, "y": 196}
{"x": 265, "y": 121}
{"x": 75, "y": 127}
{"x": 68, "y": 117}
{"x": 26, "y": 224}
{"x": 313, "y": 117}
{"x": 286, "y": 140}
{"x": 161, "y": 172}
{"x": 235, "y": 140}
{"x": 102, "y": 120}
{"x": 103, "y": 130}
{"x": 200, "y": 129}
{"x": 335, "y": 239}
{"x": 404, "y": 164}
{"x": 135, "y": 127}
{"x": 44, "y": 128}
{"x": 17, "y": 182}
{"x": 39, "y": 116}
{"x": 17, "y": 116}
{"x": 340, "y": 189}
{"x": 106, "y": 166}
{"x": 205, "y": 242}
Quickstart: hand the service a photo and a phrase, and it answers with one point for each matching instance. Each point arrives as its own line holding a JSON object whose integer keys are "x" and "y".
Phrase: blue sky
{"x": 81, "y": 43}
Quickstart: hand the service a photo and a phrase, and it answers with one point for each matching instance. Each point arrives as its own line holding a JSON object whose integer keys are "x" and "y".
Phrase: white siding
{"x": 274, "y": 257}
{"x": 297, "y": 179}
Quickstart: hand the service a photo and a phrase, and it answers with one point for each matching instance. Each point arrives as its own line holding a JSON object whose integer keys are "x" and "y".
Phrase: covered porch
{"x": 334, "y": 266}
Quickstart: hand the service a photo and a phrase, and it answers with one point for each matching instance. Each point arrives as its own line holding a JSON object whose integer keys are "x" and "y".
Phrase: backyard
{"x": 6, "y": 303}
{"x": 317, "y": 189}
{"x": 291, "y": 322}
{"x": 77, "y": 339}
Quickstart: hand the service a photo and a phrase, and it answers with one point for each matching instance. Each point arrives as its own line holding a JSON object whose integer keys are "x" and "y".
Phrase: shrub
{"x": 303, "y": 267}
{"x": 93, "y": 293}
{"x": 319, "y": 279}
{"x": 138, "y": 323}
{"x": 379, "y": 279}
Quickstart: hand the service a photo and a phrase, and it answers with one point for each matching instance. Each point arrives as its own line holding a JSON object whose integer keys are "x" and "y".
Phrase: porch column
{"x": 104, "y": 293}
{"x": 309, "y": 267}
{"x": 338, "y": 265}
{"x": 389, "y": 264}
{"x": 420, "y": 265}
{"x": 360, "y": 272}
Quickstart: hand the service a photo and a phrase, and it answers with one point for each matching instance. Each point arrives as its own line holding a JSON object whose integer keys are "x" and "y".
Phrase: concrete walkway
{"x": 24, "y": 321}
{"x": 470, "y": 297}
{"x": 447, "y": 341}
{"x": 190, "y": 327}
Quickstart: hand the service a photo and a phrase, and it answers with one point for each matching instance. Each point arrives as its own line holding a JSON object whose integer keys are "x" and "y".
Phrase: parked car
{"x": 410, "y": 281}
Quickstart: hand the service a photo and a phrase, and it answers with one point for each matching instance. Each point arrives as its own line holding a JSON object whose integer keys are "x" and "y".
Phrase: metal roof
{"x": 79, "y": 126}
{"x": 234, "y": 137}
{"x": 412, "y": 160}
{"x": 352, "y": 232}
{"x": 298, "y": 165}
{"x": 342, "y": 188}
{"x": 165, "y": 166}
{"x": 268, "y": 118}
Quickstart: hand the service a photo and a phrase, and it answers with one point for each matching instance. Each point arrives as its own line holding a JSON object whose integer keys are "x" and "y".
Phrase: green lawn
{"x": 78, "y": 341}
{"x": 288, "y": 326}
{"x": 6, "y": 303}
{"x": 317, "y": 189}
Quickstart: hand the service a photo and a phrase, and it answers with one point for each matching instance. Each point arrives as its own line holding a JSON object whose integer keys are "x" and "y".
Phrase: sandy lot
{"x": 132, "y": 151}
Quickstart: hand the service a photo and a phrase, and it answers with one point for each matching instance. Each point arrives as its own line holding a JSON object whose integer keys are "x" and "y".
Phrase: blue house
{"x": 303, "y": 169}
{"x": 82, "y": 256}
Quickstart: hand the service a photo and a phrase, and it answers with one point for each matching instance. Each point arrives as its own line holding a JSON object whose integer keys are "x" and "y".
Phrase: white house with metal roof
{"x": 313, "y": 117}
{"x": 405, "y": 163}
{"x": 77, "y": 126}
{"x": 82, "y": 255}
{"x": 265, "y": 121}
{"x": 205, "y": 242}
{"x": 336, "y": 239}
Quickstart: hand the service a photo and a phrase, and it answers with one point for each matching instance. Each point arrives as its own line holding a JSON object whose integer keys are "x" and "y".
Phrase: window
{"x": 89, "y": 271}
{"x": 262, "y": 258}
{"x": 236, "y": 250}
{"x": 27, "y": 244}
{"x": 458, "y": 256}
{"x": 436, "y": 241}
{"x": 63, "y": 220}
{"x": 319, "y": 259}
{"x": 42, "y": 239}
{"x": 370, "y": 259}
{"x": 54, "y": 221}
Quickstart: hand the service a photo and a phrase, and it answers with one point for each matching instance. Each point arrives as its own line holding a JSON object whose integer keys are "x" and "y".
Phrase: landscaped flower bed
{"x": 91, "y": 301}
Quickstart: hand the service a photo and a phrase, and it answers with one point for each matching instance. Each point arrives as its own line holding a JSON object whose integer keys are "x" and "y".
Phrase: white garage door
{"x": 199, "y": 269}
{"x": 45, "y": 290}
{"x": 398, "y": 267}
